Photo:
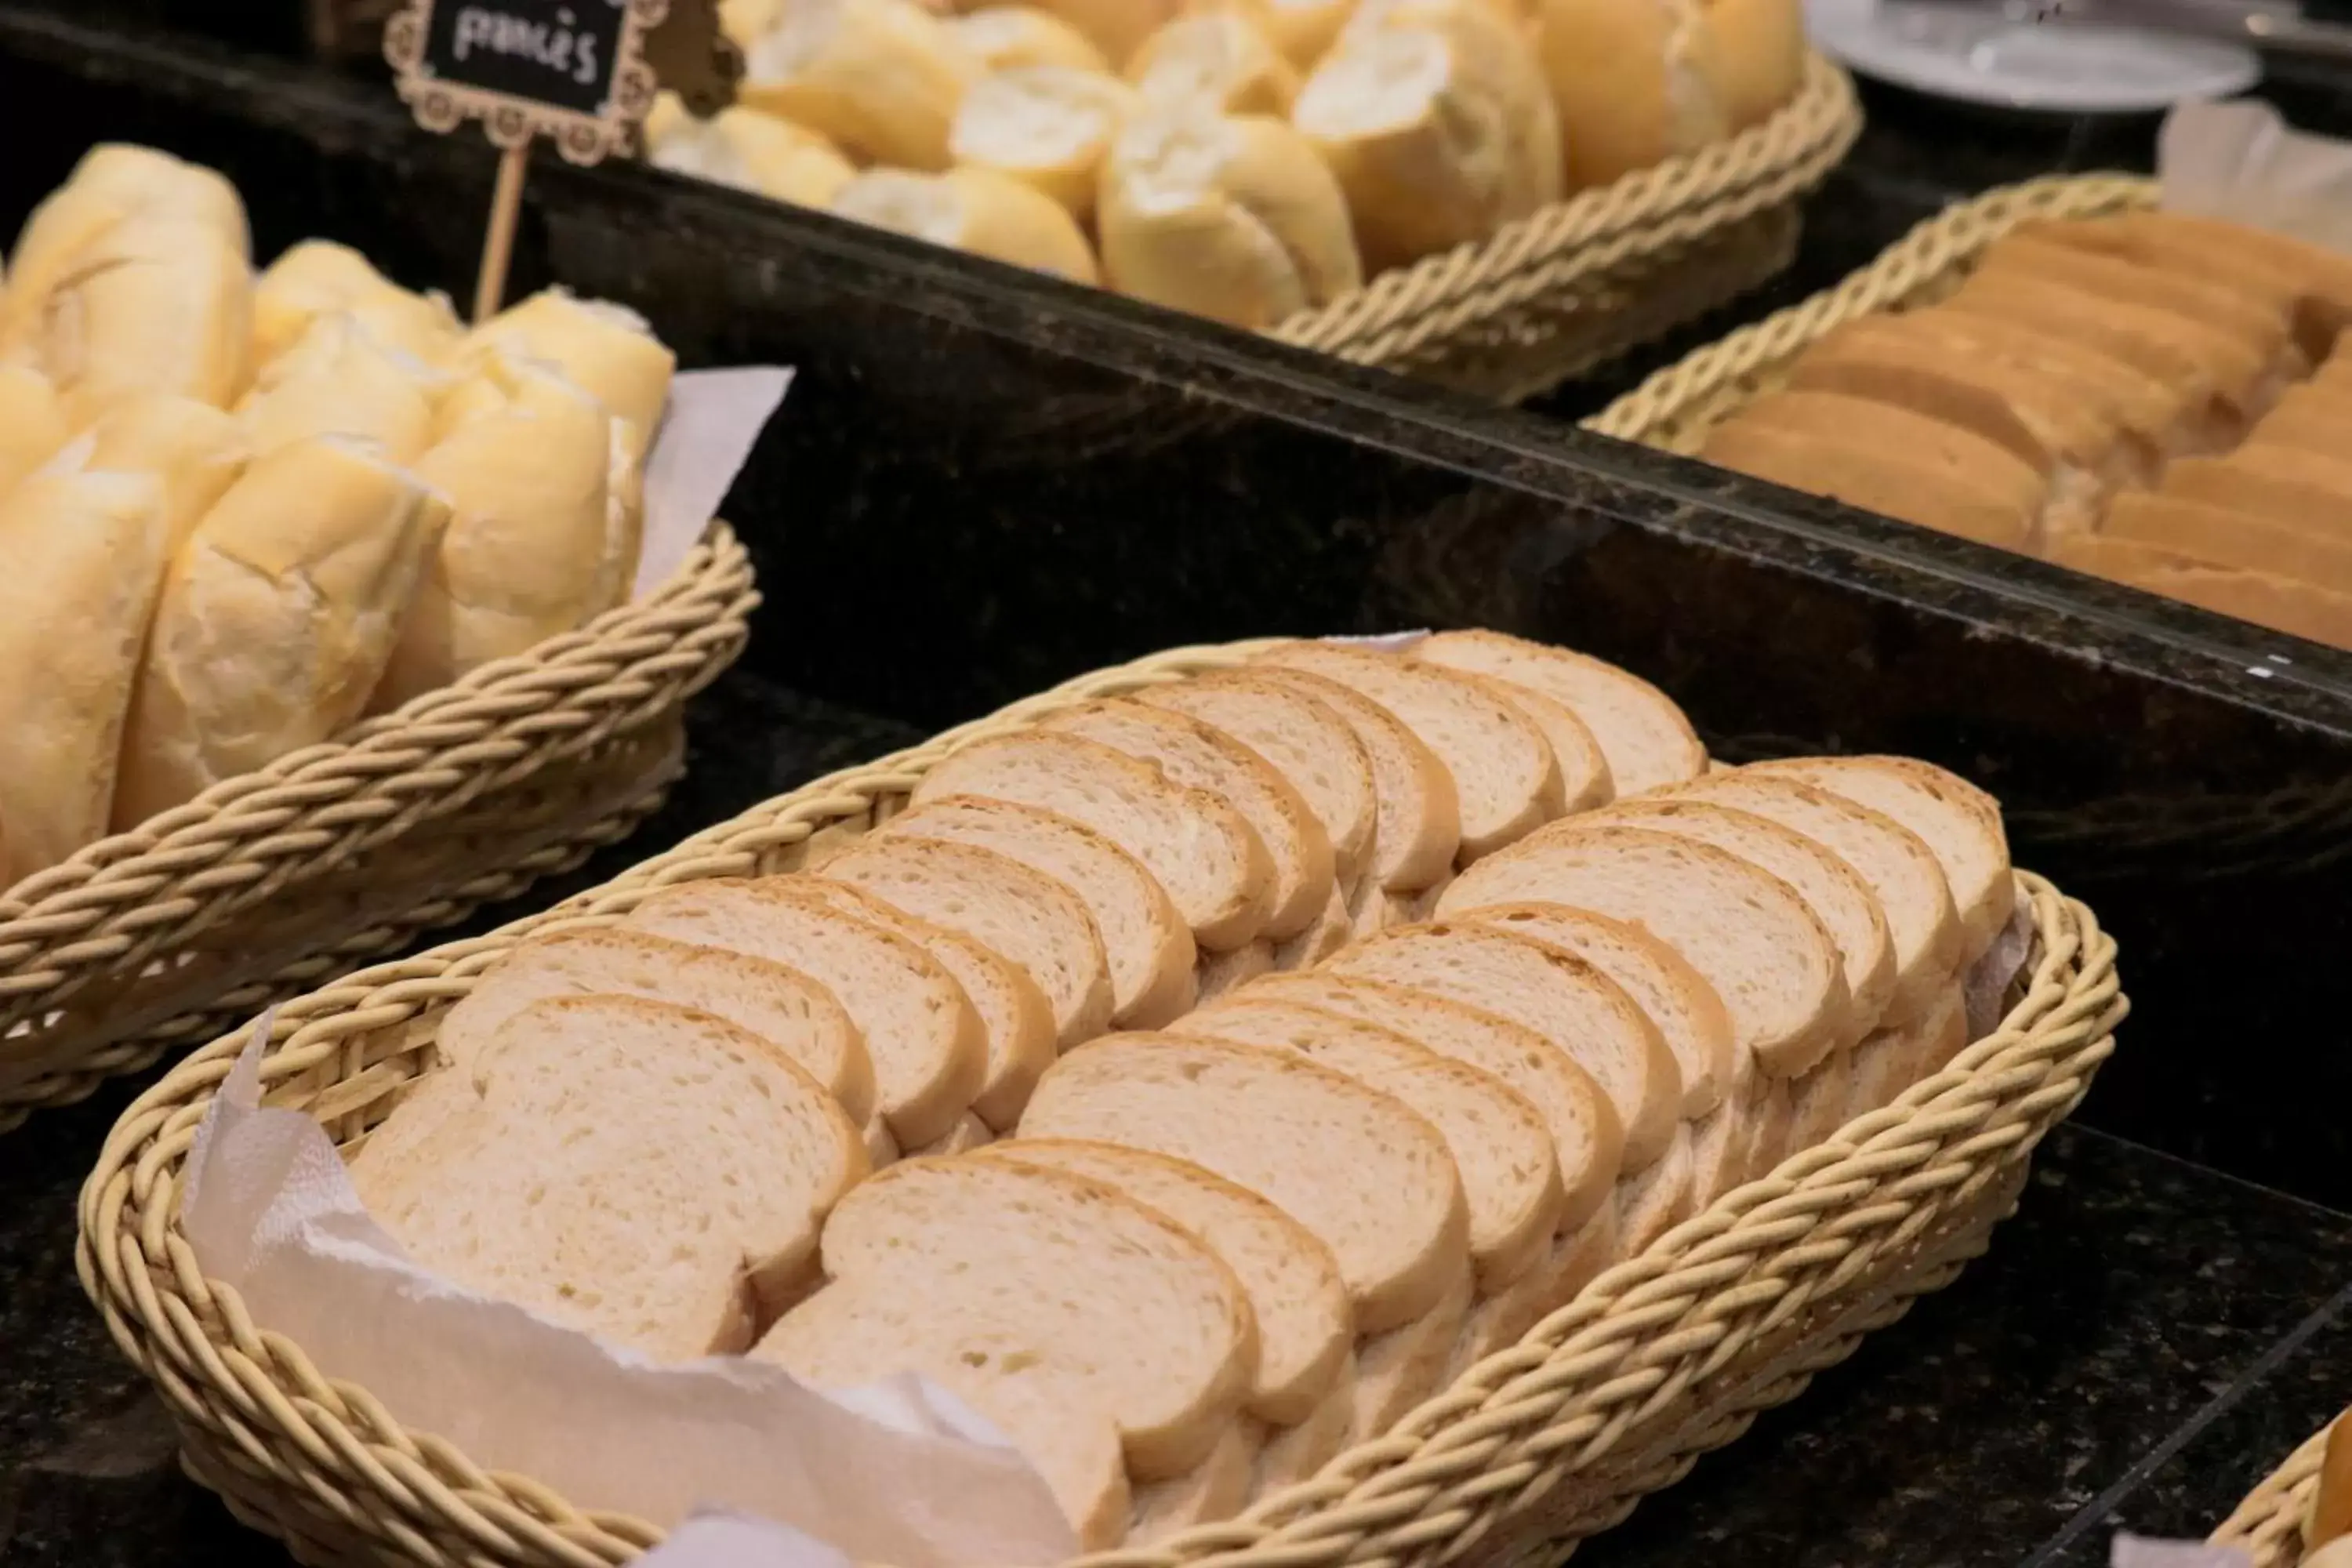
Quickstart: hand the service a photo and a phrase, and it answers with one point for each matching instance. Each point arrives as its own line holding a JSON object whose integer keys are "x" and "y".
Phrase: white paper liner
{"x": 733, "y": 1540}
{"x": 2130, "y": 1550}
{"x": 2240, "y": 161}
{"x": 715, "y": 418}
{"x": 1383, "y": 642}
{"x": 1985, "y": 987}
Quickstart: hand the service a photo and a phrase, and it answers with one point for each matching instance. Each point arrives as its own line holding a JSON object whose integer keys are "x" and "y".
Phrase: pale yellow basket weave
{"x": 1677, "y": 407}
{"x": 1612, "y": 1397}
{"x": 1588, "y": 277}
{"x": 270, "y": 883}
{"x": 2269, "y": 1523}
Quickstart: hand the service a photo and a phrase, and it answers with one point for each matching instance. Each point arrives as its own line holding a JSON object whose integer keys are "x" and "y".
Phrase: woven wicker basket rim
{"x": 2268, "y": 1523}
{"x": 1448, "y": 1467}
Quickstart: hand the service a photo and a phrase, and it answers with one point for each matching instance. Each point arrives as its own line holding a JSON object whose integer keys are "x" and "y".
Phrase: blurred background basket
{"x": 2268, "y": 1525}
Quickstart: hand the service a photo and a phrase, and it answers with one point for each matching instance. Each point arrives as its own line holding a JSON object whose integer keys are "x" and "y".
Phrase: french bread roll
{"x": 1637, "y": 82}
{"x": 319, "y": 277}
{"x": 1302, "y": 29}
{"x": 192, "y": 448}
{"x": 881, "y": 79}
{"x": 1005, "y": 36}
{"x": 1756, "y": 58}
{"x": 2228, "y": 535}
{"x": 277, "y": 618}
{"x": 33, "y": 423}
{"x": 607, "y": 350}
{"x": 748, "y": 150}
{"x": 2266, "y": 598}
{"x": 1492, "y": 36}
{"x": 1049, "y": 127}
{"x": 85, "y": 559}
{"x": 975, "y": 210}
{"x": 1231, "y": 216}
{"x": 1218, "y": 58}
{"x": 338, "y": 379}
{"x": 152, "y": 304}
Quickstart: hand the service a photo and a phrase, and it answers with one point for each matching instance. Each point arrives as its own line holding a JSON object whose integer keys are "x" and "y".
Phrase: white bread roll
{"x": 1005, "y": 36}
{"x": 524, "y": 556}
{"x": 1046, "y": 126}
{"x": 316, "y": 278}
{"x": 1301, "y": 29}
{"x": 1231, "y": 216}
{"x": 976, "y": 210}
{"x": 153, "y": 304}
{"x": 276, "y": 619}
{"x": 339, "y": 380}
{"x": 1492, "y": 37}
{"x": 607, "y": 350}
{"x": 881, "y": 78}
{"x": 1118, "y": 28}
{"x": 195, "y": 450}
{"x": 748, "y": 150}
{"x": 1634, "y": 81}
{"x": 1220, "y": 59}
{"x": 85, "y": 554}
{"x": 1756, "y": 56}
{"x": 32, "y": 423}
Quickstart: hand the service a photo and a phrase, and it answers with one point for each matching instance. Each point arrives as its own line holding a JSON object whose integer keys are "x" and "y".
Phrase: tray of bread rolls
{"x": 1429, "y": 1104}
{"x": 319, "y": 621}
{"x": 2299, "y": 1510}
{"x": 2062, "y": 369}
{"x": 1497, "y": 194}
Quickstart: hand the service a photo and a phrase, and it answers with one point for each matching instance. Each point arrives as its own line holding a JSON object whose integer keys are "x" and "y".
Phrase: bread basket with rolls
{"x": 322, "y": 615}
{"x": 1658, "y": 1085}
{"x": 2302, "y": 1512}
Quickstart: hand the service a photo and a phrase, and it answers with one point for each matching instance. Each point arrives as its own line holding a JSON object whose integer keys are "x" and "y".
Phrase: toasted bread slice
{"x": 2162, "y": 416}
{"x": 2262, "y": 329}
{"x": 2310, "y": 418}
{"x": 2309, "y": 492}
{"x": 1881, "y": 479}
{"x": 1645, "y": 737}
{"x": 1416, "y": 811}
{"x": 2248, "y": 277}
{"x": 2148, "y": 341}
{"x": 2232, "y": 536}
{"x": 2322, "y": 278}
{"x": 2240, "y": 373}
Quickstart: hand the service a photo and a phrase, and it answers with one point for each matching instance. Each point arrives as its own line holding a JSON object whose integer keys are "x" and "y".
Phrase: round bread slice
{"x": 1753, "y": 939}
{"x": 1510, "y": 1177}
{"x": 1015, "y": 1014}
{"x": 1305, "y": 1327}
{"x": 1294, "y": 1453}
{"x": 1199, "y": 848}
{"x": 1368, "y": 1176}
{"x": 1848, "y": 910}
{"x": 1219, "y": 972}
{"x": 635, "y": 1170}
{"x": 969, "y": 1133}
{"x": 1217, "y": 1487}
{"x": 1586, "y": 1015}
{"x": 1417, "y": 816}
{"x": 1644, "y": 736}
{"x": 1150, "y": 947}
{"x": 1576, "y": 1258}
{"x": 1588, "y": 1140}
{"x": 1659, "y": 1198}
{"x": 1959, "y": 822}
{"x": 780, "y": 1003}
{"x": 1006, "y": 906}
{"x": 928, "y": 1049}
{"x": 1898, "y": 863}
{"x": 1584, "y": 777}
{"x": 1504, "y": 777}
{"x": 1305, "y": 740}
{"x": 1397, "y": 1370}
{"x": 1201, "y": 757}
{"x": 1318, "y": 941}
{"x": 1066, "y": 1270}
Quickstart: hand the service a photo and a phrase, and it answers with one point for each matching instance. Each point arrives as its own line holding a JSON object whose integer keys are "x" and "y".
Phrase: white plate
{"x": 1990, "y": 55}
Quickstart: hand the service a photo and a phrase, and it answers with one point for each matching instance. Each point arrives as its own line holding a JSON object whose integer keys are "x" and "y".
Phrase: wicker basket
{"x": 1585, "y": 278}
{"x": 2269, "y": 1523}
{"x": 271, "y": 883}
{"x": 1614, "y": 1396}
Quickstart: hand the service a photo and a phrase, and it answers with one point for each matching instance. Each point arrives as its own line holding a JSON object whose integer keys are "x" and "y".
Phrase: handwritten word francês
{"x": 556, "y": 47}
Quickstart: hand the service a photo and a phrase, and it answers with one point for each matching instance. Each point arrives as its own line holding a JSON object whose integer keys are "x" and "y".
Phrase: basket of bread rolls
{"x": 2064, "y": 369}
{"x": 1318, "y": 1099}
{"x": 318, "y": 617}
{"x": 1493, "y": 193}
{"x": 2302, "y": 1512}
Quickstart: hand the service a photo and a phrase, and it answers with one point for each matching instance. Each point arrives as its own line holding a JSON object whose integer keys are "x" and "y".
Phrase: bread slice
{"x": 1219, "y": 972}
{"x": 1201, "y": 756}
{"x": 1294, "y": 1453}
{"x": 1149, "y": 947}
{"x": 1070, "y": 1271}
{"x": 1585, "y": 1016}
{"x": 969, "y": 1133}
{"x": 1643, "y": 734}
{"x": 1585, "y": 779}
{"x": 1200, "y": 849}
{"x": 2283, "y": 604}
{"x": 1318, "y": 941}
{"x": 1368, "y": 1176}
{"x": 1416, "y": 811}
{"x": 2310, "y": 492}
{"x": 1397, "y": 1370}
{"x": 1217, "y": 1487}
{"x": 1848, "y": 910}
{"x": 2148, "y": 341}
{"x": 2217, "y": 255}
{"x": 2161, "y": 415}
{"x": 1960, "y": 823}
{"x": 781, "y": 1005}
{"x": 1305, "y": 1326}
{"x": 2260, "y": 330}
{"x": 1658, "y": 1199}
{"x": 928, "y": 1049}
{"x": 1588, "y": 1140}
{"x": 1005, "y": 905}
{"x": 629, "y": 1168}
{"x": 1504, "y": 778}
{"x": 1305, "y": 740}
{"x": 1751, "y": 938}
{"x": 1677, "y": 997}
{"x": 1500, "y": 1143}
{"x": 1576, "y": 1258}
{"x": 2231, "y": 534}
{"x": 1987, "y": 505}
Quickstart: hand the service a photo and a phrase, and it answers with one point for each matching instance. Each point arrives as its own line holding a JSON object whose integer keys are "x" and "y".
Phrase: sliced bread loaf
{"x": 1505, "y": 776}
{"x": 1199, "y": 848}
{"x": 637, "y": 1169}
{"x": 1417, "y": 815}
{"x": 1585, "y": 1016}
{"x": 1146, "y": 941}
{"x": 1305, "y": 1326}
{"x": 1757, "y": 943}
{"x": 1204, "y": 757}
{"x": 1373, "y": 1179}
{"x": 1500, "y": 1143}
{"x": 779, "y": 1004}
{"x": 1644, "y": 736}
{"x": 1305, "y": 739}
{"x": 928, "y": 1049}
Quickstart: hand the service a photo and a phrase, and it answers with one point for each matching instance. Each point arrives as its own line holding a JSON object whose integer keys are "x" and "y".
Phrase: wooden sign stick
{"x": 497, "y": 244}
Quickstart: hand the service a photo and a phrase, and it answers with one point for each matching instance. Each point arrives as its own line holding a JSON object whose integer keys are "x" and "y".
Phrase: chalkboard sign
{"x": 570, "y": 70}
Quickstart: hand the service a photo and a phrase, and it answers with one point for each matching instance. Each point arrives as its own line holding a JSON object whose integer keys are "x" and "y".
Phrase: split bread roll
{"x": 319, "y": 277}
{"x": 192, "y": 450}
{"x": 277, "y": 619}
{"x": 975, "y": 210}
{"x": 748, "y": 150}
{"x": 152, "y": 303}
{"x": 86, "y": 554}
{"x": 639, "y": 1171}
{"x": 33, "y": 423}
{"x": 1220, "y": 59}
{"x": 881, "y": 79}
{"x": 1235, "y": 218}
{"x": 1003, "y": 36}
{"x": 338, "y": 379}
{"x": 1046, "y": 126}
{"x": 1638, "y": 81}
{"x": 605, "y": 350}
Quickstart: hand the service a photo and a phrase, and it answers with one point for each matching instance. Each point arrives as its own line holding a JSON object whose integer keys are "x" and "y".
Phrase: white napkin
{"x": 2241, "y": 161}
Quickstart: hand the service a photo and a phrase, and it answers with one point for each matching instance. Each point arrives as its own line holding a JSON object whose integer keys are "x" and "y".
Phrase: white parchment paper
{"x": 2130, "y": 1550}
{"x": 2241, "y": 161}
{"x": 714, "y": 420}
